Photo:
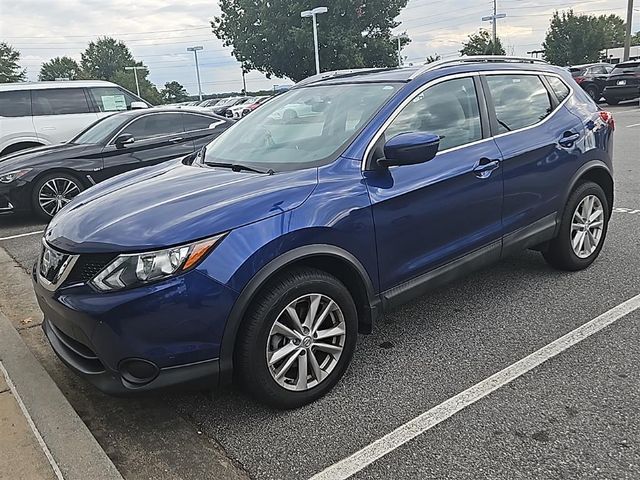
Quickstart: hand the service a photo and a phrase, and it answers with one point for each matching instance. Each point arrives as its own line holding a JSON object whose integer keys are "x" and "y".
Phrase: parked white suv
{"x": 44, "y": 113}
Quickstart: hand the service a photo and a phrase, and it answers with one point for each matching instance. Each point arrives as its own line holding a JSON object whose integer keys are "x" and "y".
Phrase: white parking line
{"x": 21, "y": 235}
{"x": 634, "y": 125}
{"x": 401, "y": 435}
{"x": 626, "y": 210}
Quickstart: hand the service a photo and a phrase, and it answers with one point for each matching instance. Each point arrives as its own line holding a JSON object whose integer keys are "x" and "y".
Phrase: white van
{"x": 44, "y": 113}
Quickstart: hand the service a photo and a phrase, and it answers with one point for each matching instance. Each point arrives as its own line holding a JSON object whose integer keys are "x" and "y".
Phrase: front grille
{"x": 88, "y": 266}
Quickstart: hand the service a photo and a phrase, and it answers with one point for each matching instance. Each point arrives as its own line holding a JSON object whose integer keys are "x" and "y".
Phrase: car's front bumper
{"x": 142, "y": 339}
{"x": 14, "y": 197}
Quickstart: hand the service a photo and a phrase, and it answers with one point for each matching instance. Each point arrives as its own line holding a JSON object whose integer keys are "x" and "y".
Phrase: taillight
{"x": 607, "y": 118}
{"x": 579, "y": 79}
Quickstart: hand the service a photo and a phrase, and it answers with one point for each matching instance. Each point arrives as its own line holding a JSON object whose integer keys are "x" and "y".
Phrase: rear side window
{"x": 155, "y": 125}
{"x": 111, "y": 99}
{"x": 15, "y": 104}
{"x": 200, "y": 122}
{"x": 558, "y": 87}
{"x": 60, "y": 101}
{"x": 520, "y": 100}
{"x": 448, "y": 109}
{"x": 577, "y": 72}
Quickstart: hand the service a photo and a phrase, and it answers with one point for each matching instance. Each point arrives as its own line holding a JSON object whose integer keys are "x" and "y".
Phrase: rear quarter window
{"x": 559, "y": 88}
{"x": 15, "y": 104}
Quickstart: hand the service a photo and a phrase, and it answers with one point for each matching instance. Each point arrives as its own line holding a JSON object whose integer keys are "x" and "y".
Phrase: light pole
{"x": 135, "y": 74}
{"x": 313, "y": 13}
{"x": 627, "y": 36}
{"x": 195, "y": 51}
{"x": 399, "y": 38}
{"x": 493, "y": 18}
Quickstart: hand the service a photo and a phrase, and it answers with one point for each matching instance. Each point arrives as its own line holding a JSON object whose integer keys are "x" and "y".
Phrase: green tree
{"x": 148, "y": 91}
{"x": 10, "y": 70}
{"x": 173, "y": 92}
{"x": 271, "y": 37}
{"x": 481, "y": 43}
{"x": 104, "y": 58}
{"x": 635, "y": 39}
{"x": 59, "y": 67}
{"x": 573, "y": 39}
{"x": 432, "y": 58}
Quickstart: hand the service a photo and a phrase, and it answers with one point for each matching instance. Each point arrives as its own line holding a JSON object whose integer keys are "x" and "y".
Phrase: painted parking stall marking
{"x": 632, "y": 211}
{"x": 419, "y": 425}
{"x": 20, "y": 235}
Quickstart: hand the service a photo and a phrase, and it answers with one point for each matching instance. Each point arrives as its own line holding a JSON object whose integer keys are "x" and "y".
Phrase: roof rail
{"x": 335, "y": 73}
{"x": 475, "y": 59}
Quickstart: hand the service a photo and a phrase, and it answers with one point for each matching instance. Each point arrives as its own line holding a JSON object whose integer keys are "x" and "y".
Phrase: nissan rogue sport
{"x": 262, "y": 256}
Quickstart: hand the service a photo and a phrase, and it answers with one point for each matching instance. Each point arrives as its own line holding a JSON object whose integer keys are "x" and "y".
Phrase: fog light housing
{"x": 138, "y": 371}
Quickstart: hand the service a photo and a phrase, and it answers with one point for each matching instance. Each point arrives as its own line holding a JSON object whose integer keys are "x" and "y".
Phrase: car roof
{"x": 406, "y": 74}
{"x": 628, "y": 63}
{"x": 60, "y": 84}
{"x": 587, "y": 65}
{"x": 145, "y": 111}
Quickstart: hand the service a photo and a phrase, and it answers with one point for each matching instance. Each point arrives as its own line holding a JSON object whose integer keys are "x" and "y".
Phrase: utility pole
{"x": 313, "y": 13}
{"x": 195, "y": 51}
{"x": 244, "y": 82}
{"x": 399, "y": 38}
{"x": 627, "y": 37}
{"x": 493, "y": 18}
{"x": 135, "y": 74}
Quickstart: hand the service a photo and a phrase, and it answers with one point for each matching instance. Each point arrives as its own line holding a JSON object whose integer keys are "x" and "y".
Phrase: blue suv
{"x": 262, "y": 256}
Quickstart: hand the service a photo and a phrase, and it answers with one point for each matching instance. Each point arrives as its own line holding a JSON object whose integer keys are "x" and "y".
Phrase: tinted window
{"x": 15, "y": 104}
{"x": 577, "y": 72}
{"x": 111, "y": 99}
{"x": 100, "y": 131}
{"x": 61, "y": 101}
{"x": 155, "y": 125}
{"x": 199, "y": 122}
{"x": 599, "y": 70}
{"x": 559, "y": 88}
{"x": 626, "y": 68}
{"x": 448, "y": 109}
{"x": 520, "y": 100}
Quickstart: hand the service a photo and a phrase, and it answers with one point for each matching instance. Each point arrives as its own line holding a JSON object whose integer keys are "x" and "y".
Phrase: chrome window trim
{"x": 436, "y": 81}
{"x": 65, "y": 270}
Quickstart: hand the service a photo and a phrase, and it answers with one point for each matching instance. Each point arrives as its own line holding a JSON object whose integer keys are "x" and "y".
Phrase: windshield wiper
{"x": 237, "y": 167}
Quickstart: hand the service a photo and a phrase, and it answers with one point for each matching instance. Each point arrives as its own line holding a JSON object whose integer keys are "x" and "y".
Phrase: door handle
{"x": 484, "y": 167}
{"x": 568, "y": 139}
{"x": 176, "y": 140}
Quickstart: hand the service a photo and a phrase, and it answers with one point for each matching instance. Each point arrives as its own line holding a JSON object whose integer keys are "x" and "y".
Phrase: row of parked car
{"x": 616, "y": 83}
{"x": 230, "y": 107}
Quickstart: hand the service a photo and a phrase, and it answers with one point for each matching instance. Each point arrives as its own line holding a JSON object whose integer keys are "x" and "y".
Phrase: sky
{"x": 158, "y": 32}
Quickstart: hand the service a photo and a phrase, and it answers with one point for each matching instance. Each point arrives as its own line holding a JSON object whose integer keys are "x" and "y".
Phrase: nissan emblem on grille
{"x": 51, "y": 264}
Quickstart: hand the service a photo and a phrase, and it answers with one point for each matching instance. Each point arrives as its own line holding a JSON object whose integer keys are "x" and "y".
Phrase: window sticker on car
{"x": 113, "y": 102}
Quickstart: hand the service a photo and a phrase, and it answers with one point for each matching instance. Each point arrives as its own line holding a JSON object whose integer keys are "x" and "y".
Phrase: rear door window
{"x": 59, "y": 101}
{"x": 520, "y": 100}
{"x": 15, "y": 104}
{"x": 155, "y": 125}
{"x": 111, "y": 99}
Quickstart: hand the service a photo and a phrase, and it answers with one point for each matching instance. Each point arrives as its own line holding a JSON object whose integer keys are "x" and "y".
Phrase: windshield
{"x": 302, "y": 128}
{"x": 626, "y": 68}
{"x": 100, "y": 131}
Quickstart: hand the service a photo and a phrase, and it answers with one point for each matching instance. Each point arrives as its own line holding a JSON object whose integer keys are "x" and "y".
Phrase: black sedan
{"x": 45, "y": 179}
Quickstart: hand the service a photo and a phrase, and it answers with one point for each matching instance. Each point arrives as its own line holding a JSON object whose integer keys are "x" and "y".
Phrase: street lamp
{"x": 135, "y": 73}
{"x": 195, "y": 51}
{"x": 399, "y": 38}
{"x": 313, "y": 13}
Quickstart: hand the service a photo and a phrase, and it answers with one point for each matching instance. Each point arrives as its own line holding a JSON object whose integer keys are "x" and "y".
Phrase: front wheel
{"x": 582, "y": 230}
{"x": 298, "y": 339}
{"x": 54, "y": 191}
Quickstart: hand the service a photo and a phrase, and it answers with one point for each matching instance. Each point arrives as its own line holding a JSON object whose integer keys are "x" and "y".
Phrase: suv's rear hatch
{"x": 625, "y": 75}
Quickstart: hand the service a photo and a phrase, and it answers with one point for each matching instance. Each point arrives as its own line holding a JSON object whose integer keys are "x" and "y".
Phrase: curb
{"x": 72, "y": 447}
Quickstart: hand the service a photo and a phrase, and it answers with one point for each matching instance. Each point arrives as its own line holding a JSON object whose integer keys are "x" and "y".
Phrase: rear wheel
{"x": 54, "y": 191}
{"x": 582, "y": 231}
{"x": 298, "y": 339}
{"x": 593, "y": 92}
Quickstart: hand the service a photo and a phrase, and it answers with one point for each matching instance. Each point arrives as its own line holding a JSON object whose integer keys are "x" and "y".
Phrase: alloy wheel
{"x": 56, "y": 193}
{"x": 587, "y": 226}
{"x": 305, "y": 342}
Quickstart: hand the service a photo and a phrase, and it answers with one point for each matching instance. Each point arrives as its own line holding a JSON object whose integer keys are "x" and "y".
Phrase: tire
{"x": 561, "y": 253}
{"x": 43, "y": 188}
{"x": 612, "y": 101}
{"x": 259, "y": 339}
{"x": 593, "y": 92}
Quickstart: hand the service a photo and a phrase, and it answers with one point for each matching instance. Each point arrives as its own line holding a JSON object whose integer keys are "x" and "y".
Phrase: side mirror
{"x": 138, "y": 105}
{"x": 409, "y": 149}
{"x": 124, "y": 139}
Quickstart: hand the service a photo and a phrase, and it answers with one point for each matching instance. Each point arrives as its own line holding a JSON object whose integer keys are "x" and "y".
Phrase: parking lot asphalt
{"x": 575, "y": 416}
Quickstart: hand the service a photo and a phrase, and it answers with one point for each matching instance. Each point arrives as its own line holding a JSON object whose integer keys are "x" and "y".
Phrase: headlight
{"x": 11, "y": 176}
{"x": 129, "y": 270}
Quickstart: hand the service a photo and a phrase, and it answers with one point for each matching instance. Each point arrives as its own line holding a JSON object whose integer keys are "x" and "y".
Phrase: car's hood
{"x": 43, "y": 155}
{"x": 173, "y": 204}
